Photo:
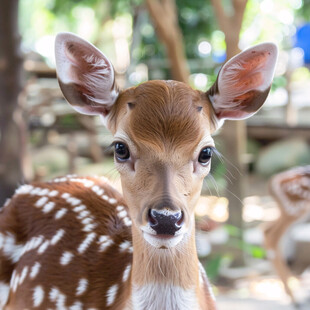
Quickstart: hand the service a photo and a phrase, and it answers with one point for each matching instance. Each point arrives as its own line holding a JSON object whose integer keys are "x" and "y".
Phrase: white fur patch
{"x": 86, "y": 242}
{"x": 24, "y": 189}
{"x": 156, "y": 296}
{"x": 111, "y": 294}
{"x": 85, "y": 182}
{"x": 60, "y": 213}
{"x": 104, "y": 242}
{"x": 38, "y": 296}
{"x": 35, "y": 270}
{"x": 23, "y": 275}
{"x": 4, "y": 294}
{"x": 59, "y": 234}
{"x": 41, "y": 202}
{"x": 76, "y": 306}
{"x": 53, "y": 193}
{"x": 66, "y": 258}
{"x": 43, "y": 247}
{"x": 48, "y": 207}
{"x": 82, "y": 287}
{"x": 9, "y": 247}
{"x": 125, "y": 246}
{"x": 126, "y": 273}
{"x": 58, "y": 298}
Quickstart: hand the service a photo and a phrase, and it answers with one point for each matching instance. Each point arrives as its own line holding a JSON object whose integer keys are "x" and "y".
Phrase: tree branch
{"x": 239, "y": 9}
{"x": 221, "y": 16}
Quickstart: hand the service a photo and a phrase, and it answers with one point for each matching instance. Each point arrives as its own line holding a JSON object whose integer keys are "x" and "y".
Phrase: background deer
{"x": 75, "y": 243}
{"x": 291, "y": 190}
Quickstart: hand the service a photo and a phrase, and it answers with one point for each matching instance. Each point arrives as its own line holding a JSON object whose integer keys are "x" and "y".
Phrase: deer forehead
{"x": 164, "y": 116}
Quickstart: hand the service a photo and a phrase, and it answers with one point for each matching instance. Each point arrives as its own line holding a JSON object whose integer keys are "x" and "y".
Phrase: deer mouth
{"x": 162, "y": 241}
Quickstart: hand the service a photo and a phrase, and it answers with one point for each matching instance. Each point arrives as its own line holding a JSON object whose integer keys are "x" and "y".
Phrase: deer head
{"x": 162, "y": 129}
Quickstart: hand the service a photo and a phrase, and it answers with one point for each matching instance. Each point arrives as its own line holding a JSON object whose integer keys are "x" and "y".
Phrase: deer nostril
{"x": 151, "y": 218}
{"x": 179, "y": 223}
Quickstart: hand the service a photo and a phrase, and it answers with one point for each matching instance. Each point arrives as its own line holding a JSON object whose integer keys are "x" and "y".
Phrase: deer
{"x": 291, "y": 191}
{"x": 75, "y": 242}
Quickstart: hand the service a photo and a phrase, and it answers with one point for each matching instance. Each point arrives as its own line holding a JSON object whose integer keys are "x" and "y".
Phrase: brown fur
{"x": 165, "y": 115}
{"x": 24, "y": 221}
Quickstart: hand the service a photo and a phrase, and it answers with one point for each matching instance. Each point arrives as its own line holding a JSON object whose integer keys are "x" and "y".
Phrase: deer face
{"x": 163, "y": 148}
{"x": 162, "y": 129}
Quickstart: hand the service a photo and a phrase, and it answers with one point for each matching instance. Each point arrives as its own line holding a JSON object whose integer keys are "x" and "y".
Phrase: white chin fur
{"x": 162, "y": 243}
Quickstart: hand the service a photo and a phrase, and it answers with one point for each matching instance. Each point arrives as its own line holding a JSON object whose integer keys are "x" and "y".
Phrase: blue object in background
{"x": 303, "y": 41}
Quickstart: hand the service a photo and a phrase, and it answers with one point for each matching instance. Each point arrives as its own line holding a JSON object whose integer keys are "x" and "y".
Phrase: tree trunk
{"x": 165, "y": 18}
{"x": 10, "y": 88}
{"x": 234, "y": 133}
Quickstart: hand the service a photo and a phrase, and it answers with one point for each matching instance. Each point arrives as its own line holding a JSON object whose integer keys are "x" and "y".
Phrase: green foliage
{"x": 197, "y": 22}
{"x": 213, "y": 266}
{"x": 235, "y": 241}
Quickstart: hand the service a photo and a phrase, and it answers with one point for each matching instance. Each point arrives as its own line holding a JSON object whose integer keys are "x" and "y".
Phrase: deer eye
{"x": 121, "y": 151}
{"x": 205, "y": 155}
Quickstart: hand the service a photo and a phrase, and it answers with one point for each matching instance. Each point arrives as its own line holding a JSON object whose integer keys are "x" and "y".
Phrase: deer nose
{"x": 165, "y": 222}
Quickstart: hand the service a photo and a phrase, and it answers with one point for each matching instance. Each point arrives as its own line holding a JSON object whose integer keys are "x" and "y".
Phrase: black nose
{"x": 165, "y": 222}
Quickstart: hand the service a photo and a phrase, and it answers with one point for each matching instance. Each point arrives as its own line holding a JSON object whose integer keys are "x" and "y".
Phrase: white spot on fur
{"x": 122, "y": 214}
{"x": 38, "y": 296}
{"x": 43, "y": 192}
{"x": 9, "y": 247}
{"x": 127, "y": 221}
{"x": 79, "y": 208}
{"x": 82, "y": 287}
{"x": 76, "y": 306}
{"x": 58, "y": 298}
{"x": 23, "y": 275}
{"x": 4, "y": 294}
{"x": 60, "y": 213}
{"x": 24, "y": 189}
{"x": 35, "y": 270}
{"x": 104, "y": 242}
{"x": 53, "y": 193}
{"x": 43, "y": 247}
{"x": 35, "y": 191}
{"x": 112, "y": 201}
{"x": 125, "y": 246}
{"x": 48, "y": 207}
{"x": 89, "y": 227}
{"x": 87, "y": 221}
{"x": 96, "y": 189}
{"x": 41, "y": 202}
{"x": 74, "y": 201}
{"x": 86, "y": 242}
{"x": 59, "y": 234}
{"x": 66, "y": 258}
{"x": 54, "y": 292}
{"x": 65, "y": 196}
{"x": 85, "y": 182}
{"x": 83, "y": 214}
{"x": 111, "y": 294}
{"x": 126, "y": 273}
{"x": 14, "y": 281}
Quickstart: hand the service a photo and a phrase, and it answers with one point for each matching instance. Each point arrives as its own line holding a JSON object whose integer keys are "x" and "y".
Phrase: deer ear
{"x": 85, "y": 75}
{"x": 243, "y": 83}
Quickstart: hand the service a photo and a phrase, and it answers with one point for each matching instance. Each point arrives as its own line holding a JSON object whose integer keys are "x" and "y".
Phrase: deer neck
{"x": 165, "y": 278}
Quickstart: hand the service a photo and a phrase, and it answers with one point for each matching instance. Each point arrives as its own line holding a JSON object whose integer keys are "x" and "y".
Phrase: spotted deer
{"x": 291, "y": 191}
{"x": 75, "y": 243}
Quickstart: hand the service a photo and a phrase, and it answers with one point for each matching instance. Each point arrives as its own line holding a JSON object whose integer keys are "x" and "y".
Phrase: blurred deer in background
{"x": 75, "y": 243}
{"x": 291, "y": 190}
